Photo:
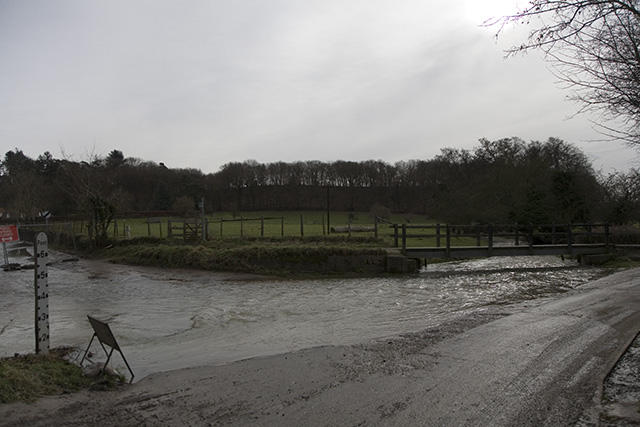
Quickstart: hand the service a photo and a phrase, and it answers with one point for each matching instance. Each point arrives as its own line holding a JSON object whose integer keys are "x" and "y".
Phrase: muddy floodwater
{"x": 167, "y": 319}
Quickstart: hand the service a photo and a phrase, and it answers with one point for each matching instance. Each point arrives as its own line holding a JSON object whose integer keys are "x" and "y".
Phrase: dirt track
{"x": 528, "y": 365}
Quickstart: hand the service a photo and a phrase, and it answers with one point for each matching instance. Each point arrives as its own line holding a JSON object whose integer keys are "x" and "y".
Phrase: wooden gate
{"x": 189, "y": 230}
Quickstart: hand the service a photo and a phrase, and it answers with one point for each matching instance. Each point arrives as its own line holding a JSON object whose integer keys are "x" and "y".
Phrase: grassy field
{"x": 273, "y": 224}
{"x": 281, "y": 224}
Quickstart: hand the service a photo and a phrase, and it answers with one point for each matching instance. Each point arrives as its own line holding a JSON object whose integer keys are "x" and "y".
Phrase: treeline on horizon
{"x": 503, "y": 181}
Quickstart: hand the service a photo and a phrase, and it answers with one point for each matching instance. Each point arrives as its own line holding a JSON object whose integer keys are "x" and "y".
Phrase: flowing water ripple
{"x": 168, "y": 319}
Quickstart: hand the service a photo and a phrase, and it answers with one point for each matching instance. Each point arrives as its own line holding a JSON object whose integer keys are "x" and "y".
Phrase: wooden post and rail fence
{"x": 193, "y": 229}
{"x": 503, "y": 240}
{"x": 443, "y": 240}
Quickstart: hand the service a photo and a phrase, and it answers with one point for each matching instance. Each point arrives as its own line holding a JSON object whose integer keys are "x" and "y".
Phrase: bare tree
{"x": 86, "y": 186}
{"x": 622, "y": 196}
{"x": 593, "y": 46}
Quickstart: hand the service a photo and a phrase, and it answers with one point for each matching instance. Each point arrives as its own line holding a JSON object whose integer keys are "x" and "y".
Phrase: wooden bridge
{"x": 452, "y": 241}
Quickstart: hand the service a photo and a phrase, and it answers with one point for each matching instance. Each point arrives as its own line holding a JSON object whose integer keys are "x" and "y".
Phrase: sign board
{"x": 102, "y": 331}
{"x": 41, "y": 284}
{"x": 9, "y": 233}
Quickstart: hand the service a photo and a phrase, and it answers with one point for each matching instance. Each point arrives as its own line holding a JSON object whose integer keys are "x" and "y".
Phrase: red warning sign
{"x": 9, "y": 233}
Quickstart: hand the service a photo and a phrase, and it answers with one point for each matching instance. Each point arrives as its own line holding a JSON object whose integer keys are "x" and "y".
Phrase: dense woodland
{"x": 502, "y": 181}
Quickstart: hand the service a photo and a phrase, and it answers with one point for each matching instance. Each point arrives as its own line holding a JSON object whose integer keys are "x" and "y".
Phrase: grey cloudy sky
{"x": 203, "y": 83}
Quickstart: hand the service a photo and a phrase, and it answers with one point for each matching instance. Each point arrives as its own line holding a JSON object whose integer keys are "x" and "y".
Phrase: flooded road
{"x": 168, "y": 319}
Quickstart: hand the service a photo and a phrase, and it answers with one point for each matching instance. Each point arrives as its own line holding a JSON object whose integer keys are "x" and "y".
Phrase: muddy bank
{"x": 526, "y": 364}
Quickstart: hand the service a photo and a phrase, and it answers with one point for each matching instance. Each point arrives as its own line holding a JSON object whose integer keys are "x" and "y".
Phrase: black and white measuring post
{"x": 41, "y": 253}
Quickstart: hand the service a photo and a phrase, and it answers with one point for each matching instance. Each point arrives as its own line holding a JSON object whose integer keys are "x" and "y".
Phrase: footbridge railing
{"x": 486, "y": 240}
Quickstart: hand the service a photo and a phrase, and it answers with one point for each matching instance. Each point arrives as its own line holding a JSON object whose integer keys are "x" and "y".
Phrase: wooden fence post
{"x": 490, "y": 238}
{"x": 301, "y": 226}
{"x": 448, "y": 250}
{"x": 169, "y": 232}
{"x": 395, "y": 235}
{"x": 241, "y": 227}
{"x": 606, "y": 237}
{"x": 148, "y": 226}
{"x": 437, "y": 235}
{"x": 375, "y": 226}
{"x": 570, "y": 239}
{"x": 404, "y": 239}
{"x": 261, "y": 226}
{"x": 517, "y": 235}
{"x": 328, "y": 213}
{"x": 282, "y": 226}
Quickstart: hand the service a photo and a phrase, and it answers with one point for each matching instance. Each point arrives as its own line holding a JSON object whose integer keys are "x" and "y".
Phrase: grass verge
{"x": 25, "y": 378}
{"x": 236, "y": 254}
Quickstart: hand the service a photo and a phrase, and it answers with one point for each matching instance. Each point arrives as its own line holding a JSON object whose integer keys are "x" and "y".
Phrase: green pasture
{"x": 277, "y": 224}
{"x": 251, "y": 224}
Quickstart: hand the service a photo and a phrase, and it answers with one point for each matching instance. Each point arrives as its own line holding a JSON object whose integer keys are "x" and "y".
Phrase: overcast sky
{"x": 203, "y": 83}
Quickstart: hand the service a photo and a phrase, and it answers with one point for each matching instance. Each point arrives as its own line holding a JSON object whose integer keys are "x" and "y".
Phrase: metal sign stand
{"x": 41, "y": 284}
{"x": 6, "y": 255}
{"x": 105, "y": 337}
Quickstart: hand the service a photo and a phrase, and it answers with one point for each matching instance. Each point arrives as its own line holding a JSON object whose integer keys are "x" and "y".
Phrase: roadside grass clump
{"x": 25, "y": 378}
